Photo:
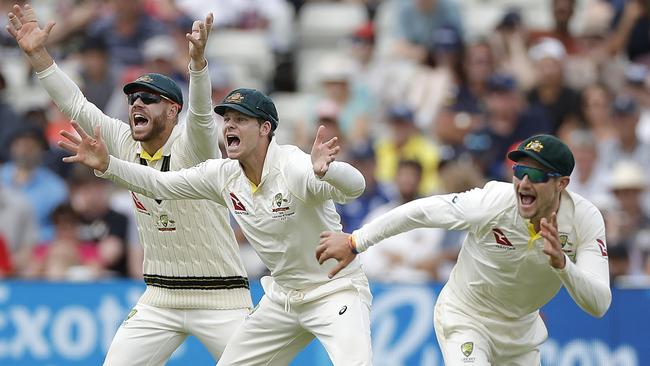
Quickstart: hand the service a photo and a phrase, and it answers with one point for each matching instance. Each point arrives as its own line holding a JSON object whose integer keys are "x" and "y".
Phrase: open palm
{"x": 323, "y": 152}
{"x": 89, "y": 151}
{"x": 23, "y": 26}
{"x": 198, "y": 39}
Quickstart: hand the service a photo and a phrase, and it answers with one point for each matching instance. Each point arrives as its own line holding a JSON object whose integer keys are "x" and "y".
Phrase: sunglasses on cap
{"x": 146, "y": 98}
{"x": 535, "y": 175}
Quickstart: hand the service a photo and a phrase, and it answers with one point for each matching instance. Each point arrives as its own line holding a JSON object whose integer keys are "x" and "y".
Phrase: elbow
{"x": 602, "y": 306}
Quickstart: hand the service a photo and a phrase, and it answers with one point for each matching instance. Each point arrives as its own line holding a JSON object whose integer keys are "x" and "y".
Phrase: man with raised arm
{"x": 525, "y": 240}
{"x": 282, "y": 199}
{"x": 196, "y": 282}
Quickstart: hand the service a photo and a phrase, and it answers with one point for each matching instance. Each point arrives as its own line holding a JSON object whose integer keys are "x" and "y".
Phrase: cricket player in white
{"x": 523, "y": 244}
{"x": 196, "y": 283}
{"x": 282, "y": 199}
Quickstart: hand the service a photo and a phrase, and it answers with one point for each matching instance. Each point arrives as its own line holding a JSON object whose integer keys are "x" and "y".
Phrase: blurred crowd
{"x": 427, "y": 97}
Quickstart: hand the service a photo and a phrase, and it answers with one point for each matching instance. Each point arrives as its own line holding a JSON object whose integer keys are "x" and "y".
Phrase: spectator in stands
{"x": 509, "y": 45}
{"x": 436, "y": 80}
{"x": 637, "y": 85}
{"x": 98, "y": 222}
{"x": 416, "y": 22}
{"x": 563, "y": 11}
{"x": 630, "y": 224}
{"x": 550, "y": 90}
{"x": 508, "y": 119}
{"x": 355, "y": 102}
{"x": 627, "y": 146}
{"x": 596, "y": 111}
{"x": 18, "y": 230}
{"x": 362, "y": 157}
{"x": 406, "y": 142}
{"x": 632, "y": 32}
{"x": 44, "y": 189}
{"x": 9, "y": 121}
{"x": 590, "y": 176}
{"x": 464, "y": 113}
{"x": 125, "y": 30}
{"x": 66, "y": 257}
{"x": 98, "y": 81}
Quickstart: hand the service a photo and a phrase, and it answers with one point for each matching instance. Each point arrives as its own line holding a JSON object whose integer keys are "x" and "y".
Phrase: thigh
{"x": 341, "y": 322}
{"x": 148, "y": 337}
{"x": 459, "y": 345}
{"x": 531, "y": 358}
{"x": 213, "y": 328}
{"x": 269, "y": 336}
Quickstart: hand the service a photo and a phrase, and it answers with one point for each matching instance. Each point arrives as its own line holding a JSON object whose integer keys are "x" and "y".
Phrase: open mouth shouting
{"x": 140, "y": 121}
{"x": 232, "y": 142}
{"x": 527, "y": 200}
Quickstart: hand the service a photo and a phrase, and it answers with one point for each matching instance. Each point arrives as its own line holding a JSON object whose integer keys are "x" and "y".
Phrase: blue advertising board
{"x": 72, "y": 324}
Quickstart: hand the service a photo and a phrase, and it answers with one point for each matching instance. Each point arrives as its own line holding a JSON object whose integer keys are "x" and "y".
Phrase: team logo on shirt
{"x": 567, "y": 246}
{"x": 502, "y": 240}
{"x": 281, "y": 206}
{"x": 164, "y": 223}
{"x": 237, "y": 205}
{"x": 467, "y": 348}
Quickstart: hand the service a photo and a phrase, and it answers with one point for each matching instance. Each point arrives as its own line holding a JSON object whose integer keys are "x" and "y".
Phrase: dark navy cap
{"x": 447, "y": 39}
{"x": 500, "y": 82}
{"x": 624, "y": 104}
{"x": 361, "y": 152}
{"x": 157, "y": 83}
{"x": 252, "y": 103}
{"x": 401, "y": 112}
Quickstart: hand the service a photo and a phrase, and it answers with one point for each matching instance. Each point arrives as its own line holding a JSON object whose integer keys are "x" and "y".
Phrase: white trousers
{"x": 274, "y": 333}
{"x": 150, "y": 334}
{"x": 481, "y": 341}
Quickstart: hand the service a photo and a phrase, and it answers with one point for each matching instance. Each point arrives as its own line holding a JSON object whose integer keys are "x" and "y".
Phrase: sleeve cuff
{"x": 108, "y": 171}
{"x": 198, "y": 72}
{"x": 564, "y": 271}
{"x": 47, "y": 72}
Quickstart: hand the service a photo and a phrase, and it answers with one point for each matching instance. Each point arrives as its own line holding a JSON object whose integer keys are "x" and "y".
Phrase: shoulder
{"x": 583, "y": 208}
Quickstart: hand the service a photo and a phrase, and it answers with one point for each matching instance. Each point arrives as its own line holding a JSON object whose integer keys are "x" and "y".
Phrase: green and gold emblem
{"x": 467, "y": 348}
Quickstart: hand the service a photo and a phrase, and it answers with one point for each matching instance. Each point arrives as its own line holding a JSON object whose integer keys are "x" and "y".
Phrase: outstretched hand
{"x": 552, "y": 245}
{"x": 335, "y": 245}
{"x": 89, "y": 151}
{"x": 198, "y": 39}
{"x": 323, "y": 152}
{"x": 23, "y": 26}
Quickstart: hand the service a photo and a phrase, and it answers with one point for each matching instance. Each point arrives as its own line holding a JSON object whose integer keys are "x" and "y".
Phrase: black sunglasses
{"x": 146, "y": 98}
{"x": 534, "y": 175}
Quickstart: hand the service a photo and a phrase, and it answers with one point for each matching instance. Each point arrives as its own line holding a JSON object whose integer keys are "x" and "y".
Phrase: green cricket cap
{"x": 250, "y": 102}
{"x": 157, "y": 83}
{"x": 547, "y": 150}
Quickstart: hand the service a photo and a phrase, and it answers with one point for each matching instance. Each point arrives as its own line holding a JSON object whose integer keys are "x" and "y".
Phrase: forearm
{"x": 202, "y": 131}
{"x": 346, "y": 179}
{"x": 40, "y": 59}
{"x": 432, "y": 211}
{"x": 589, "y": 290}
{"x": 151, "y": 182}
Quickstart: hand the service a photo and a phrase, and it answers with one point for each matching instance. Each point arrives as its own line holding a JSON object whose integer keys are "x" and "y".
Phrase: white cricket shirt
{"x": 282, "y": 218}
{"x": 191, "y": 257}
{"x": 501, "y": 270}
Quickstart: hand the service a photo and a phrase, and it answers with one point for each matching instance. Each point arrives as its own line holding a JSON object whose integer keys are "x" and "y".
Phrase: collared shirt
{"x": 282, "y": 218}
{"x": 501, "y": 269}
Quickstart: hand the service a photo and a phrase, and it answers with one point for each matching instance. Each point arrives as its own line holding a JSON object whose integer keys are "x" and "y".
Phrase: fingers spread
{"x": 71, "y": 137}
{"x": 28, "y": 14}
{"x": 68, "y": 146}
{"x": 80, "y": 130}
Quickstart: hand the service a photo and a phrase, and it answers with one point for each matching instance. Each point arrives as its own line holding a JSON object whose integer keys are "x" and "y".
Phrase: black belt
{"x": 196, "y": 283}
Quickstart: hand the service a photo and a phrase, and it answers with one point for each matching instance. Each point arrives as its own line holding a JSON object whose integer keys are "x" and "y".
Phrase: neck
{"x": 152, "y": 145}
{"x": 22, "y": 175}
{"x": 254, "y": 164}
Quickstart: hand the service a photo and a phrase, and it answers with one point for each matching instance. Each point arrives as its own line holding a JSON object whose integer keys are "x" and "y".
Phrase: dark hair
{"x": 411, "y": 164}
{"x": 272, "y": 132}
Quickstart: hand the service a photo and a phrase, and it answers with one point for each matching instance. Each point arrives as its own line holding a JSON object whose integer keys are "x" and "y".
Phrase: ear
{"x": 172, "y": 112}
{"x": 265, "y": 128}
{"x": 563, "y": 182}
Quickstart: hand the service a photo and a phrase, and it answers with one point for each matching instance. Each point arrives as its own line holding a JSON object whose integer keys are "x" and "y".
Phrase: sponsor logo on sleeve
{"x": 602, "y": 247}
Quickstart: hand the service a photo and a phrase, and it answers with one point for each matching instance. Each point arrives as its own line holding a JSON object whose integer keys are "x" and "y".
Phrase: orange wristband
{"x": 352, "y": 244}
